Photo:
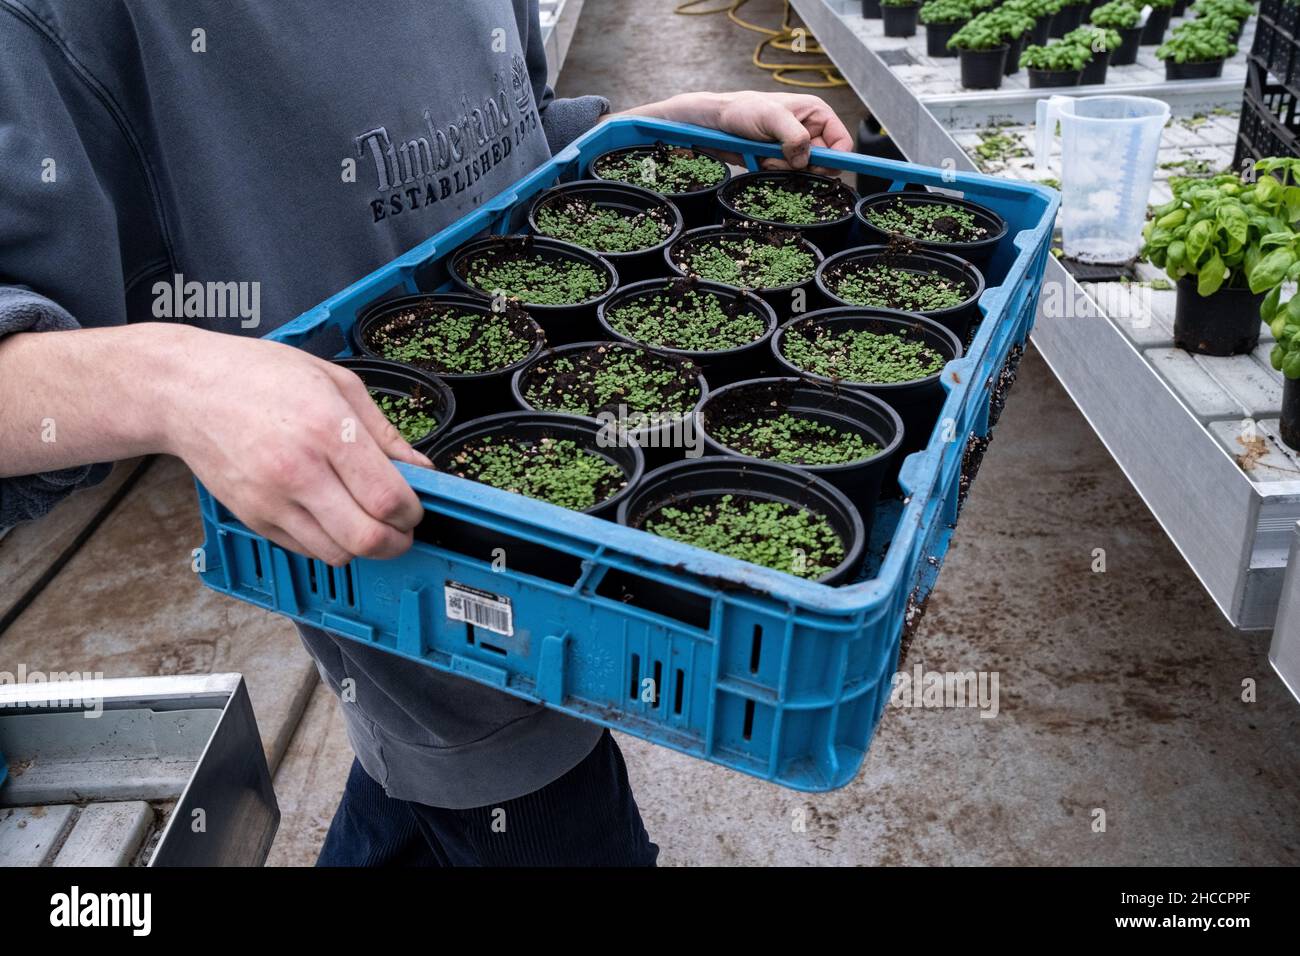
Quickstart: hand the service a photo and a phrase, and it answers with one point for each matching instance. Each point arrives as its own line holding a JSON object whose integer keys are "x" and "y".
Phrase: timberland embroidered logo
{"x": 446, "y": 157}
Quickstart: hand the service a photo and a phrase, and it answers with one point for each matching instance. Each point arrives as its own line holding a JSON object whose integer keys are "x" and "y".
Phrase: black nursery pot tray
{"x": 958, "y": 318}
{"x": 977, "y": 251}
{"x": 402, "y": 381}
{"x": 845, "y": 409}
{"x": 622, "y": 197}
{"x": 720, "y": 366}
{"x": 1193, "y": 71}
{"x": 828, "y": 235}
{"x": 919, "y": 401}
{"x": 703, "y": 480}
{"x": 530, "y": 427}
{"x": 699, "y": 207}
{"x": 785, "y": 300}
{"x": 566, "y": 322}
{"x": 477, "y": 394}
{"x": 660, "y": 443}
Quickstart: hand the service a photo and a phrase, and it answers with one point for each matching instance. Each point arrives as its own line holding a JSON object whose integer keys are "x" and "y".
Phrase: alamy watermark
{"x": 651, "y": 430}
{"x": 178, "y": 299}
{"x": 92, "y": 703}
{"x": 947, "y": 689}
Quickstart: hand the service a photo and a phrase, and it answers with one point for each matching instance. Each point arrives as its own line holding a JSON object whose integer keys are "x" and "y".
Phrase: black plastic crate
{"x": 1270, "y": 121}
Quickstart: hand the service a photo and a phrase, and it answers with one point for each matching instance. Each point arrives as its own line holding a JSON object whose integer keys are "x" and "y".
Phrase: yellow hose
{"x": 783, "y": 39}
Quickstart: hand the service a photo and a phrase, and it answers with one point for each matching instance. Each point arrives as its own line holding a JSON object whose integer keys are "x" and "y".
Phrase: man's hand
{"x": 798, "y": 121}
{"x": 291, "y": 444}
{"x": 296, "y": 448}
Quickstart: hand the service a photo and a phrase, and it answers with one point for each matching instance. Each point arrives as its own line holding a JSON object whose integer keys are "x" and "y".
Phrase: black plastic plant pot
{"x": 527, "y": 428}
{"x": 1042, "y": 30}
{"x": 843, "y": 409}
{"x": 398, "y": 381}
{"x": 477, "y": 394}
{"x": 1066, "y": 19}
{"x": 982, "y": 69}
{"x": 1179, "y": 8}
{"x": 703, "y": 481}
{"x": 1095, "y": 72}
{"x": 1290, "y": 426}
{"x": 1042, "y": 78}
{"x": 1012, "y": 66}
{"x": 937, "y": 36}
{"x": 668, "y": 440}
{"x": 976, "y": 251}
{"x": 1126, "y": 54}
{"x": 899, "y": 21}
{"x": 957, "y": 319}
{"x": 699, "y": 207}
{"x": 1226, "y": 323}
{"x": 784, "y": 299}
{"x": 918, "y": 402}
{"x": 566, "y": 322}
{"x": 621, "y": 197}
{"x": 828, "y": 235}
{"x": 720, "y": 366}
{"x": 871, "y": 9}
{"x": 1153, "y": 32}
{"x": 1204, "y": 70}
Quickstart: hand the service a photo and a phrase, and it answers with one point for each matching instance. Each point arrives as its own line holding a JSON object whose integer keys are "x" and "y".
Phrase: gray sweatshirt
{"x": 297, "y": 145}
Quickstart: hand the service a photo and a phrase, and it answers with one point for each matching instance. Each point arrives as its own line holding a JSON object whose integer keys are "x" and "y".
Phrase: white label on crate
{"x": 480, "y": 608}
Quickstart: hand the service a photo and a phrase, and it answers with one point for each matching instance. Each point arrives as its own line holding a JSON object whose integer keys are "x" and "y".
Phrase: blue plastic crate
{"x": 760, "y": 671}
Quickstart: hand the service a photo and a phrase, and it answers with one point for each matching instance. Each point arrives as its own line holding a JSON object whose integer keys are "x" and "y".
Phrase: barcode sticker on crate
{"x": 480, "y": 608}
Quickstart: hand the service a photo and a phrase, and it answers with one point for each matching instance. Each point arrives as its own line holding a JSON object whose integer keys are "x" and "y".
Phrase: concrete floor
{"x": 1120, "y": 691}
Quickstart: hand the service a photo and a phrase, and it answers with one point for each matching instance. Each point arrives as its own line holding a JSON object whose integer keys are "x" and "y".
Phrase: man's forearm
{"x": 73, "y": 398}
{"x": 701, "y": 109}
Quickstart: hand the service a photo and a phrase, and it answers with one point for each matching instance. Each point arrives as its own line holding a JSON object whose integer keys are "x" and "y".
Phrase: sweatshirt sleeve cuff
{"x": 27, "y": 497}
{"x": 567, "y": 119}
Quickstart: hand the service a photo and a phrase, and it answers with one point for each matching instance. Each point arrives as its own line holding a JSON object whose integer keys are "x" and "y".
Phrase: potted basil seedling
{"x": 557, "y": 283}
{"x": 776, "y": 264}
{"x": 820, "y": 207}
{"x": 907, "y": 278}
{"x": 933, "y": 221}
{"x": 982, "y": 52}
{"x": 1057, "y": 64}
{"x": 895, "y": 356}
{"x": 628, "y": 225}
{"x": 687, "y": 177}
{"x": 1099, "y": 43}
{"x": 850, "y": 438}
{"x": 942, "y": 18}
{"x": 1193, "y": 53}
{"x": 1041, "y": 11}
{"x": 721, "y": 329}
{"x": 472, "y": 344}
{"x": 899, "y": 17}
{"x": 1229, "y": 246}
{"x": 420, "y": 406}
{"x": 768, "y": 514}
{"x": 1122, "y": 17}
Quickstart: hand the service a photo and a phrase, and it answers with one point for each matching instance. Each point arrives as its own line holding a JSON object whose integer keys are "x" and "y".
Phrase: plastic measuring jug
{"x": 1108, "y": 156}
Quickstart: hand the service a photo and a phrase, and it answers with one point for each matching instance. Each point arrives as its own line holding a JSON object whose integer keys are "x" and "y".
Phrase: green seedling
{"x": 926, "y": 222}
{"x": 451, "y": 341}
{"x": 536, "y": 281}
{"x": 857, "y": 355}
{"x": 794, "y": 440}
{"x": 608, "y": 378}
{"x": 769, "y": 533}
{"x": 557, "y": 470}
{"x": 750, "y": 262}
{"x": 664, "y": 169}
{"x": 690, "y": 321}
{"x": 411, "y": 415}
{"x": 602, "y": 228}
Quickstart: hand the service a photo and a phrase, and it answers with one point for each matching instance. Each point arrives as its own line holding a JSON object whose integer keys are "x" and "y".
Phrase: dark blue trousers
{"x": 588, "y": 817}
